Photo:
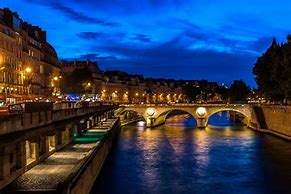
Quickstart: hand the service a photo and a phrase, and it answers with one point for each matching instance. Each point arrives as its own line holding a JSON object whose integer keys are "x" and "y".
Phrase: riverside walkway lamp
{"x": 28, "y": 71}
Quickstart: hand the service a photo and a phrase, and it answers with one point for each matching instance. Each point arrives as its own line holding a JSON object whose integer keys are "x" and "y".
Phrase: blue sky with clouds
{"x": 181, "y": 39}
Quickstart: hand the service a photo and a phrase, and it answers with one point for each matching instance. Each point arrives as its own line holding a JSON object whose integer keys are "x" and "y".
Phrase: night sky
{"x": 181, "y": 39}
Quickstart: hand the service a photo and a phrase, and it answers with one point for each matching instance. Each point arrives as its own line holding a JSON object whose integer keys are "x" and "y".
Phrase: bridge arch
{"x": 124, "y": 119}
{"x": 156, "y": 114}
{"x": 162, "y": 116}
{"x": 240, "y": 111}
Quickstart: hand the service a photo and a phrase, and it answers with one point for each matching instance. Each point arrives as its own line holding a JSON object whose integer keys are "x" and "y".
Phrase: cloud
{"x": 172, "y": 38}
{"x": 91, "y": 35}
{"x": 197, "y": 35}
{"x": 96, "y": 57}
{"x": 142, "y": 38}
{"x": 73, "y": 14}
{"x": 80, "y": 17}
{"x": 102, "y": 37}
{"x": 173, "y": 59}
{"x": 261, "y": 44}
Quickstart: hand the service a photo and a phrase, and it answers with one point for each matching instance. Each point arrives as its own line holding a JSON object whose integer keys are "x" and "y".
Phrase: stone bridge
{"x": 156, "y": 114}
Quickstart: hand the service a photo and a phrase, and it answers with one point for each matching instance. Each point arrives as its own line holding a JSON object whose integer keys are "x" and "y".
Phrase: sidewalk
{"x": 55, "y": 169}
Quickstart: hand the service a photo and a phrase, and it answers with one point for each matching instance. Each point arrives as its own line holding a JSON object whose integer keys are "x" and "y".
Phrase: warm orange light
{"x": 201, "y": 111}
{"x": 1, "y": 59}
{"x": 56, "y": 78}
{"x": 150, "y": 111}
{"x": 27, "y": 69}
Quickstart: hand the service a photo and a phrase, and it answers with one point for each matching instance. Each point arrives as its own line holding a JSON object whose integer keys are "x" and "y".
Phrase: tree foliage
{"x": 192, "y": 92}
{"x": 223, "y": 92}
{"x": 75, "y": 82}
{"x": 238, "y": 91}
{"x": 273, "y": 71}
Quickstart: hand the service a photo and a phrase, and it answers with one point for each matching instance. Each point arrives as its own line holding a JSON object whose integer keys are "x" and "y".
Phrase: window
{"x": 30, "y": 152}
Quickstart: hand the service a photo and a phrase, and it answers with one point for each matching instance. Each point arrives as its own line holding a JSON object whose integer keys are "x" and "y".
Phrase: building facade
{"x": 28, "y": 63}
{"x": 121, "y": 87}
{"x": 95, "y": 84}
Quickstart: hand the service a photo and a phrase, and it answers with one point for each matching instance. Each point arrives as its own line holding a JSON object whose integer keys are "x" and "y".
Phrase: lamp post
{"x": 55, "y": 85}
{"x": 28, "y": 71}
{"x": 2, "y": 69}
{"x": 87, "y": 86}
{"x": 4, "y": 83}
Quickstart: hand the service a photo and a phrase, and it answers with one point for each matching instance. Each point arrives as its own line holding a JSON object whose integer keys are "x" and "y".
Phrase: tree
{"x": 75, "y": 83}
{"x": 191, "y": 92}
{"x": 238, "y": 91}
{"x": 273, "y": 71}
{"x": 223, "y": 92}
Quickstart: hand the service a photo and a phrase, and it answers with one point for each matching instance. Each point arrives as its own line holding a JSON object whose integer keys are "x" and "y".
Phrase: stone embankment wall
{"x": 273, "y": 119}
{"x": 83, "y": 180}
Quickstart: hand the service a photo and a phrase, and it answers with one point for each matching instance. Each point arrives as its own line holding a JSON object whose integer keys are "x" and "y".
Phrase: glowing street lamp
{"x": 150, "y": 112}
{"x": 28, "y": 70}
{"x": 201, "y": 111}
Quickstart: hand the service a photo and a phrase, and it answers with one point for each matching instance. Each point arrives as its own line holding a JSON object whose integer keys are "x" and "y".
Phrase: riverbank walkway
{"x": 48, "y": 174}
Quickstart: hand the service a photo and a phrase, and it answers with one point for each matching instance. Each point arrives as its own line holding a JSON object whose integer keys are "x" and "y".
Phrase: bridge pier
{"x": 201, "y": 122}
{"x": 150, "y": 122}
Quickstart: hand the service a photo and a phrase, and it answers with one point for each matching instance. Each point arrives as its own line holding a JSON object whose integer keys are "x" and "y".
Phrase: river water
{"x": 179, "y": 158}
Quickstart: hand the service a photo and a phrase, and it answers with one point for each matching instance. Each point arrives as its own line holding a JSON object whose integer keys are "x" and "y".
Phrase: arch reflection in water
{"x": 180, "y": 118}
{"x": 226, "y": 118}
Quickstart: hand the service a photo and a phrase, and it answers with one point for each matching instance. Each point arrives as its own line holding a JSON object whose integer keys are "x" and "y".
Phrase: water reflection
{"x": 177, "y": 158}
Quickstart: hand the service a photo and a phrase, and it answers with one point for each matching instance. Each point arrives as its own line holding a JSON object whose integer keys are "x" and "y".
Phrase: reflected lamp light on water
{"x": 141, "y": 123}
{"x": 151, "y": 111}
{"x": 201, "y": 111}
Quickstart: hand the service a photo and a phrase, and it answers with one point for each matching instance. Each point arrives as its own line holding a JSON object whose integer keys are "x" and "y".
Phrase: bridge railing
{"x": 183, "y": 105}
